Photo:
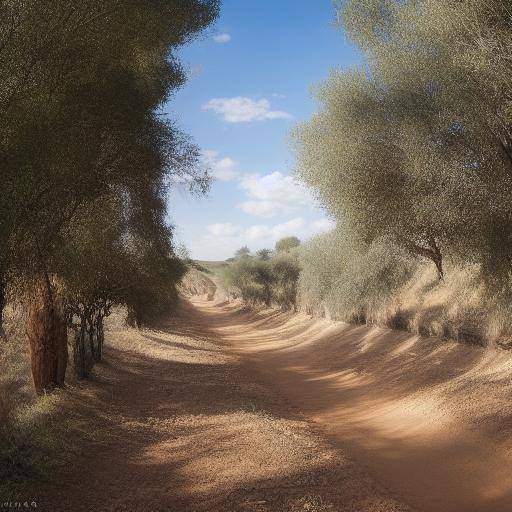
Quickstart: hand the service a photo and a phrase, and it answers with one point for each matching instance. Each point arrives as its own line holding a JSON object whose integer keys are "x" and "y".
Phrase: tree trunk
{"x": 92, "y": 348}
{"x": 432, "y": 252}
{"x": 47, "y": 335}
{"x": 3, "y": 301}
{"x": 437, "y": 258}
{"x": 79, "y": 351}
{"x": 439, "y": 266}
{"x": 268, "y": 296}
{"x": 100, "y": 338}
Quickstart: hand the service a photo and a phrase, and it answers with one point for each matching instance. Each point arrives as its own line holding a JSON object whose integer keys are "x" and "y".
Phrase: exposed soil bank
{"x": 429, "y": 419}
{"x": 185, "y": 422}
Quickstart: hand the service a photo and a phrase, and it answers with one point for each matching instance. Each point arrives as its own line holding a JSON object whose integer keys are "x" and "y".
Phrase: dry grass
{"x": 457, "y": 308}
{"x": 197, "y": 283}
{"x": 37, "y": 434}
{"x": 27, "y": 438}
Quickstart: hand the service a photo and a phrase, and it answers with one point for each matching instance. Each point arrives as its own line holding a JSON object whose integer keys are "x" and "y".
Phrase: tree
{"x": 242, "y": 252}
{"x": 285, "y": 244}
{"x": 79, "y": 94}
{"x": 345, "y": 277}
{"x": 266, "y": 279}
{"x": 264, "y": 254}
{"x": 286, "y": 271}
{"x": 448, "y": 62}
{"x": 416, "y": 148}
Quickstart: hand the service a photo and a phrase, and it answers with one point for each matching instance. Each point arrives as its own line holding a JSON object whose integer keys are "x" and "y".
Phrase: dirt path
{"x": 429, "y": 419}
{"x": 182, "y": 422}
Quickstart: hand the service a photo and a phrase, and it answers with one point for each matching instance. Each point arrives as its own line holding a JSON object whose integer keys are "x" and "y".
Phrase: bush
{"x": 286, "y": 272}
{"x": 345, "y": 278}
{"x": 264, "y": 279}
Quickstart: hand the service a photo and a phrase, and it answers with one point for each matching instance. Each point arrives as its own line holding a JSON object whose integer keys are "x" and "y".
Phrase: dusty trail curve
{"x": 428, "y": 418}
{"x": 183, "y": 422}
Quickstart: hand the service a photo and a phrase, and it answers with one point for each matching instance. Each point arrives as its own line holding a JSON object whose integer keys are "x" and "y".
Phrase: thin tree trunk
{"x": 100, "y": 338}
{"x": 437, "y": 258}
{"x": 432, "y": 252}
{"x": 79, "y": 351}
{"x": 47, "y": 335}
{"x": 91, "y": 341}
{"x": 439, "y": 265}
{"x": 3, "y": 301}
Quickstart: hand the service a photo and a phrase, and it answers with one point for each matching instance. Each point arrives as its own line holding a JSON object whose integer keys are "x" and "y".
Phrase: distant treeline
{"x": 269, "y": 277}
{"x": 87, "y": 158}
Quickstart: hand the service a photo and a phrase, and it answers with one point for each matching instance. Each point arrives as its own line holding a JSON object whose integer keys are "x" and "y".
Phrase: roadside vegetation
{"x": 411, "y": 155}
{"x": 87, "y": 160}
{"x": 269, "y": 277}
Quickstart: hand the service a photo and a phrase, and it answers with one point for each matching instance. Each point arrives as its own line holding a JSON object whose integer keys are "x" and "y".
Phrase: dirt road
{"x": 182, "y": 422}
{"x": 227, "y": 410}
{"x": 429, "y": 419}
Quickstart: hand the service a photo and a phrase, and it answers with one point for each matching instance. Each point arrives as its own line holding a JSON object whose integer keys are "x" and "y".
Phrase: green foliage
{"x": 264, "y": 254}
{"x": 87, "y": 160}
{"x": 348, "y": 276}
{"x": 264, "y": 279}
{"x": 80, "y": 87}
{"x": 285, "y": 244}
{"x": 243, "y": 251}
{"x": 286, "y": 271}
{"x": 251, "y": 278}
{"x": 416, "y": 148}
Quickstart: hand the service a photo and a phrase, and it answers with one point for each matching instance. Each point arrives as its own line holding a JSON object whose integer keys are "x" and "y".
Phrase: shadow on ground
{"x": 182, "y": 423}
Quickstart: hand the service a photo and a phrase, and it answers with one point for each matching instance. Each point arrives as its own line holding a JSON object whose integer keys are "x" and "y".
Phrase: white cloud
{"x": 223, "y": 239}
{"x": 263, "y": 208}
{"x": 274, "y": 186}
{"x": 292, "y": 227}
{"x": 196, "y": 71}
{"x": 271, "y": 234}
{"x": 244, "y": 110}
{"x": 220, "y": 229}
{"x": 273, "y": 194}
{"x": 223, "y": 169}
{"x": 222, "y": 38}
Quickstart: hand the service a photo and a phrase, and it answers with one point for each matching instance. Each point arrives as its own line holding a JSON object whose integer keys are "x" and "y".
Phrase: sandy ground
{"x": 190, "y": 417}
{"x": 429, "y": 419}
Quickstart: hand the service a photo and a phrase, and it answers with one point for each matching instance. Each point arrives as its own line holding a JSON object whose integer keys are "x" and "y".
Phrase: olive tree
{"x": 286, "y": 244}
{"x": 79, "y": 94}
{"x": 456, "y": 54}
{"x": 414, "y": 147}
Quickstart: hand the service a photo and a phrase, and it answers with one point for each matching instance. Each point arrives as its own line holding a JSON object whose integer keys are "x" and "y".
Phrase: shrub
{"x": 264, "y": 279}
{"x": 286, "y": 271}
{"x": 346, "y": 277}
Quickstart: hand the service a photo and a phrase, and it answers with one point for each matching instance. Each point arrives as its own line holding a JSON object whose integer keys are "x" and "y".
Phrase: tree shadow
{"x": 423, "y": 412}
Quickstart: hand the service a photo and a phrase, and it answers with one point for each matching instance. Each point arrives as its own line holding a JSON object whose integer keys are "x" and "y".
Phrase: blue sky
{"x": 250, "y": 82}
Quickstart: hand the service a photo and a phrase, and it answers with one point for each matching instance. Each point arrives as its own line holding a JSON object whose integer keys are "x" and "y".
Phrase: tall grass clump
{"x": 379, "y": 283}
